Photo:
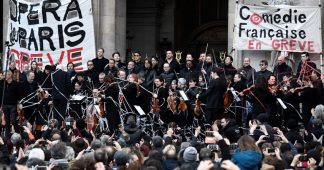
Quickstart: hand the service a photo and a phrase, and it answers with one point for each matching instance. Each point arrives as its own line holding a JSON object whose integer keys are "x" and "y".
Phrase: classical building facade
{"x": 153, "y": 26}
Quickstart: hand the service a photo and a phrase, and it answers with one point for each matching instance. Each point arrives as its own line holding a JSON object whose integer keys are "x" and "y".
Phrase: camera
{"x": 270, "y": 150}
{"x": 213, "y": 147}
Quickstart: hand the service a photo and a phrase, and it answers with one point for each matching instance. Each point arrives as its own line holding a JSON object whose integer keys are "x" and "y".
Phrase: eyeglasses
{"x": 90, "y": 64}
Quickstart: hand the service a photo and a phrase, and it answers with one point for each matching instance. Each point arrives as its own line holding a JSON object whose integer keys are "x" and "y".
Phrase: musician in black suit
{"x": 26, "y": 89}
{"x": 61, "y": 88}
{"x": 214, "y": 95}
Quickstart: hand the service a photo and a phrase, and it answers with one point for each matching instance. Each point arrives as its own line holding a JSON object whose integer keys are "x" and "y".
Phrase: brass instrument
{"x": 178, "y": 56}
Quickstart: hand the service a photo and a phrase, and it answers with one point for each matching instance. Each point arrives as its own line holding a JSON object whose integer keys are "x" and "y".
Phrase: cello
{"x": 228, "y": 97}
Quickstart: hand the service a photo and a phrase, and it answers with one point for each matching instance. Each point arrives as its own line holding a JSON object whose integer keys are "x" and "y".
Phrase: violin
{"x": 182, "y": 106}
{"x": 273, "y": 89}
{"x": 246, "y": 91}
{"x": 228, "y": 97}
{"x": 155, "y": 105}
{"x": 197, "y": 110}
{"x": 172, "y": 102}
{"x": 21, "y": 116}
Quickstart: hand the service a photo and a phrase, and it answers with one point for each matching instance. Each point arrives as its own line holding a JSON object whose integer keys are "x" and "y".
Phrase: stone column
{"x": 110, "y": 26}
{"x": 5, "y": 14}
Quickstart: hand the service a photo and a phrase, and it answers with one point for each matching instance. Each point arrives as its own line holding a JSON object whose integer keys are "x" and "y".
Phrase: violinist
{"x": 238, "y": 86}
{"x": 61, "y": 90}
{"x": 214, "y": 95}
{"x": 259, "y": 97}
{"x": 26, "y": 88}
{"x": 274, "y": 118}
{"x": 272, "y": 86}
{"x": 101, "y": 85}
{"x": 131, "y": 91}
{"x": 111, "y": 102}
{"x": 161, "y": 93}
{"x": 309, "y": 98}
{"x": 82, "y": 80}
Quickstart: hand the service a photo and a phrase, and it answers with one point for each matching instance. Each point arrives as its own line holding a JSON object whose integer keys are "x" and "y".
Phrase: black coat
{"x": 168, "y": 77}
{"x": 112, "y": 109}
{"x": 306, "y": 68}
{"x": 26, "y": 88}
{"x": 99, "y": 64}
{"x": 149, "y": 75}
{"x": 229, "y": 70}
{"x": 11, "y": 92}
{"x": 61, "y": 85}
{"x": 188, "y": 73}
{"x": 215, "y": 93}
{"x": 282, "y": 70}
{"x": 265, "y": 74}
{"x": 248, "y": 74}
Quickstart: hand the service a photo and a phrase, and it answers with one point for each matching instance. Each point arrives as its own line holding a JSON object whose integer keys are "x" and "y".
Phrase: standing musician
{"x": 161, "y": 94}
{"x": 26, "y": 89}
{"x": 61, "y": 88}
{"x": 111, "y": 103}
{"x": 275, "y": 118}
{"x": 131, "y": 91}
{"x": 214, "y": 95}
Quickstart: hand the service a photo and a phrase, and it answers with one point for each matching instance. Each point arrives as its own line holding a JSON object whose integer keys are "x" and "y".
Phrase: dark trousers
{"x": 59, "y": 110}
{"x": 10, "y": 113}
{"x": 214, "y": 114}
{"x": 30, "y": 114}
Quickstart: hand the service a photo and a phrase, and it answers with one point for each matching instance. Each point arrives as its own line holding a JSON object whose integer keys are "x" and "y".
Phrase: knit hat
{"x": 190, "y": 154}
{"x": 121, "y": 158}
{"x": 36, "y": 153}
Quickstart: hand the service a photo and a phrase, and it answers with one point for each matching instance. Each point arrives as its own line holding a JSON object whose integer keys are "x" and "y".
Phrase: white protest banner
{"x": 279, "y": 28}
{"x": 50, "y": 32}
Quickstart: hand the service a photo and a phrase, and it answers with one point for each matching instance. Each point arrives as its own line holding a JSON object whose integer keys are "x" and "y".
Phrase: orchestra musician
{"x": 214, "y": 95}
{"x": 61, "y": 89}
{"x": 161, "y": 93}
{"x": 26, "y": 88}
{"x": 131, "y": 91}
{"x": 111, "y": 102}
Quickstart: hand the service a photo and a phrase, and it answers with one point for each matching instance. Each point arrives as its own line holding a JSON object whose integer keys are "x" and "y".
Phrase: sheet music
{"x": 77, "y": 97}
{"x": 183, "y": 95}
{"x": 236, "y": 98}
{"x": 139, "y": 110}
{"x": 282, "y": 103}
